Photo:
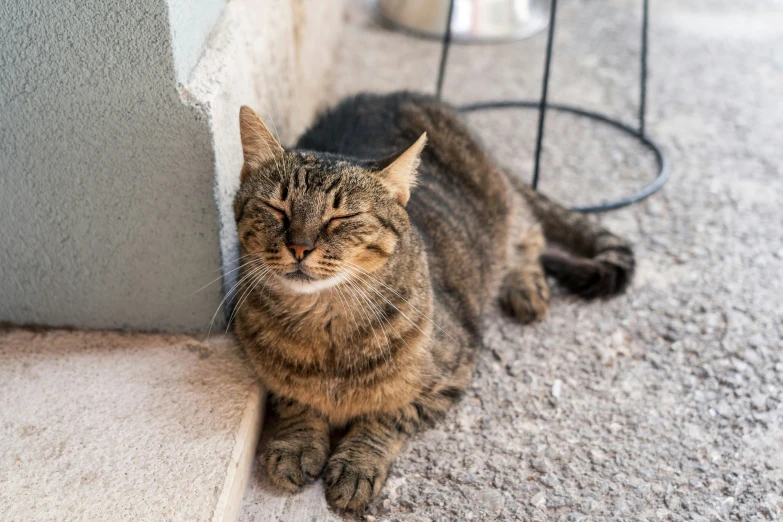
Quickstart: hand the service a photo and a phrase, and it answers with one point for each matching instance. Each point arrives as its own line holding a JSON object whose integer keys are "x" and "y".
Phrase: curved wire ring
{"x": 543, "y": 105}
{"x": 660, "y": 158}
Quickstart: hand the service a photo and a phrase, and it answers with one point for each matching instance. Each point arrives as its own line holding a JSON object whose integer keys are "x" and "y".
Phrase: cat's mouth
{"x": 299, "y": 275}
{"x": 303, "y": 283}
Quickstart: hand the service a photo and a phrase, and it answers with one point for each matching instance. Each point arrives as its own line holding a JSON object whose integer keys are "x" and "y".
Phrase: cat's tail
{"x": 583, "y": 256}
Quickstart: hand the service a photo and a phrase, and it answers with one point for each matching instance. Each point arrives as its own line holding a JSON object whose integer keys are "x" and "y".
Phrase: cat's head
{"x": 311, "y": 219}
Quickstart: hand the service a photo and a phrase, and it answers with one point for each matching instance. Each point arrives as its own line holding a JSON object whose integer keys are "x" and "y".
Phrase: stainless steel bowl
{"x": 472, "y": 20}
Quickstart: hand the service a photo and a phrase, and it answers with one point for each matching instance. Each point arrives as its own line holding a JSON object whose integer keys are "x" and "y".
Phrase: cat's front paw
{"x": 291, "y": 461}
{"x": 354, "y": 478}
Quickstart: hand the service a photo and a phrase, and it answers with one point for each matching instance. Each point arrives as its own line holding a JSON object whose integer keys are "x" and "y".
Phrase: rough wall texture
{"x": 106, "y": 203}
{"x": 107, "y": 180}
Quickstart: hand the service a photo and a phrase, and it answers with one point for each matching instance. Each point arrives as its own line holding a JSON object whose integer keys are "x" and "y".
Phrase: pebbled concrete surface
{"x": 665, "y": 403}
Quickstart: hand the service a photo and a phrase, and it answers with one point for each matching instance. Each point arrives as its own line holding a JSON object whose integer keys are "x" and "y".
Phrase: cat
{"x": 371, "y": 252}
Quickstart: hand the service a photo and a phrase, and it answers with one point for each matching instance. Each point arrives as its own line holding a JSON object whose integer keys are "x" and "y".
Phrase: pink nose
{"x": 300, "y": 251}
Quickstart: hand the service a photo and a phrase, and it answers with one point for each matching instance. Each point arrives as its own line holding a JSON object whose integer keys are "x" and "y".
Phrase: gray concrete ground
{"x": 665, "y": 403}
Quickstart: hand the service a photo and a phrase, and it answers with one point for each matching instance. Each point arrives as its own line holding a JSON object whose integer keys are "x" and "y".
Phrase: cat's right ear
{"x": 258, "y": 144}
{"x": 399, "y": 171}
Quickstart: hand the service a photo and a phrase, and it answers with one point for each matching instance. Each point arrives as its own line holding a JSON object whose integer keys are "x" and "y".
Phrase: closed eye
{"x": 279, "y": 213}
{"x": 344, "y": 216}
{"x": 274, "y": 208}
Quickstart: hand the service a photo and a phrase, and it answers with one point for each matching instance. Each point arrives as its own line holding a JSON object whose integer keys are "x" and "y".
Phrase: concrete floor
{"x": 121, "y": 426}
{"x": 665, "y": 403}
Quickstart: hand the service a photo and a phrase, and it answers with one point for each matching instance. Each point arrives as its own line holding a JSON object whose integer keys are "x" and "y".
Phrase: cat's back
{"x": 456, "y": 172}
{"x": 462, "y": 203}
{"x": 366, "y": 126}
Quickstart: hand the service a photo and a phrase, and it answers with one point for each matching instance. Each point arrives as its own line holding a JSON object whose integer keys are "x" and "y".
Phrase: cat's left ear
{"x": 258, "y": 144}
{"x": 399, "y": 176}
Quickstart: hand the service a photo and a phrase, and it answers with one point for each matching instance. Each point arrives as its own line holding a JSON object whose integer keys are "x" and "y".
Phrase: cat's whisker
{"x": 375, "y": 278}
{"x": 221, "y": 276}
{"x": 246, "y": 279}
{"x": 350, "y": 309}
{"x": 380, "y": 316}
{"x": 341, "y": 298}
{"x": 345, "y": 307}
{"x": 263, "y": 288}
{"x": 383, "y": 315}
{"x": 369, "y": 321}
{"x": 256, "y": 280}
{"x": 229, "y": 262}
{"x": 355, "y": 300}
{"x": 235, "y": 260}
{"x": 228, "y": 294}
{"x": 394, "y": 306}
{"x": 380, "y": 322}
{"x": 257, "y": 274}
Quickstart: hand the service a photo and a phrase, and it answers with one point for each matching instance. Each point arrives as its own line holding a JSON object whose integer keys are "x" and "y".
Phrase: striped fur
{"x": 410, "y": 249}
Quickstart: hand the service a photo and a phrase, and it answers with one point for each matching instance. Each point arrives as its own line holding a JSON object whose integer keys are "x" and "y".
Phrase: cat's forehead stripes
{"x": 333, "y": 185}
{"x": 309, "y": 174}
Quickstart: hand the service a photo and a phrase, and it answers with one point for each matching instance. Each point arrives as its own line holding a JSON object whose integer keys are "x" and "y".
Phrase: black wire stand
{"x": 543, "y": 106}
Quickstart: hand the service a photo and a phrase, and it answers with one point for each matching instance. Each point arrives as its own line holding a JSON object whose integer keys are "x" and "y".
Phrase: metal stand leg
{"x": 643, "y": 69}
{"x": 445, "y": 52}
{"x": 542, "y": 106}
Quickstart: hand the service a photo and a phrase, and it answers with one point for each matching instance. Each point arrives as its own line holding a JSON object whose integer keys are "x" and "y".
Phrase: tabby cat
{"x": 371, "y": 252}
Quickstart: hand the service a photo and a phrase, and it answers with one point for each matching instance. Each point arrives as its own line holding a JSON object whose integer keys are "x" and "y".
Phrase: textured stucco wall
{"x": 107, "y": 179}
{"x": 106, "y": 204}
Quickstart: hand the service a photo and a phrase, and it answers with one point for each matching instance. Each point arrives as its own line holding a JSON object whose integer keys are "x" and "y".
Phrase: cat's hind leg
{"x": 525, "y": 292}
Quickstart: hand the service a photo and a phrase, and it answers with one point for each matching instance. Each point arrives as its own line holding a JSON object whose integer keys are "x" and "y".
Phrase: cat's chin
{"x": 310, "y": 286}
